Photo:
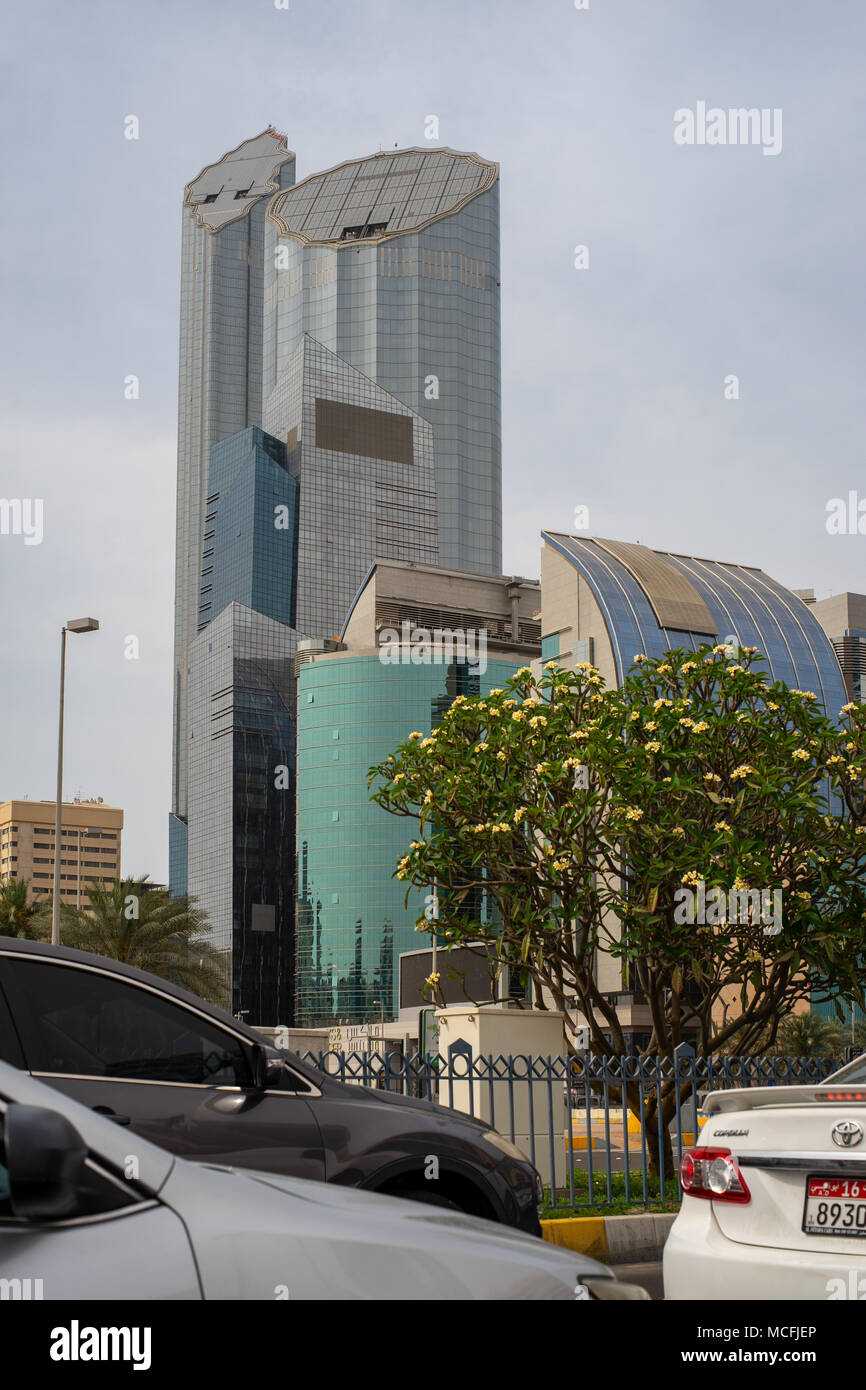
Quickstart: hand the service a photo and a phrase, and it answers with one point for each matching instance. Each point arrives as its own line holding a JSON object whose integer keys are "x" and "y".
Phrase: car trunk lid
{"x": 780, "y": 1137}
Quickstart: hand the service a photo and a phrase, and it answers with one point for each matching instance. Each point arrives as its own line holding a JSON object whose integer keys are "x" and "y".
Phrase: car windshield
{"x": 853, "y": 1074}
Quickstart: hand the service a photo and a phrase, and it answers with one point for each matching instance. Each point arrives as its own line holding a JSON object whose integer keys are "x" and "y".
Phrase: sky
{"x": 703, "y": 262}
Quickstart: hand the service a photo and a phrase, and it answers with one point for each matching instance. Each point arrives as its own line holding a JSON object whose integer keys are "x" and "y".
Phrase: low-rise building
{"x": 90, "y": 846}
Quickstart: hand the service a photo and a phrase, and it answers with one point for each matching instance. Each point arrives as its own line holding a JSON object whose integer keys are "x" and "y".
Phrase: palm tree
{"x": 20, "y": 917}
{"x": 808, "y": 1035}
{"x": 131, "y": 921}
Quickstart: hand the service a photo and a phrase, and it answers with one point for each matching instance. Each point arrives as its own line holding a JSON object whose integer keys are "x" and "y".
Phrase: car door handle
{"x": 110, "y": 1114}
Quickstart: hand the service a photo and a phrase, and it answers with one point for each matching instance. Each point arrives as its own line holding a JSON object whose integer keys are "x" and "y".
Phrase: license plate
{"x": 835, "y": 1207}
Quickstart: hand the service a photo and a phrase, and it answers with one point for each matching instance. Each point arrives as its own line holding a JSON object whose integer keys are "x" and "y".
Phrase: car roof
{"x": 19, "y": 944}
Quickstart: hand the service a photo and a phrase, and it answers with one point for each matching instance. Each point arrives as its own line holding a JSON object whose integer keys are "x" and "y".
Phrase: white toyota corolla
{"x": 774, "y": 1196}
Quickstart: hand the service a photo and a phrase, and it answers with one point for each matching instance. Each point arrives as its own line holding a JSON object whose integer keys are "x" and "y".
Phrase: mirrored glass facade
{"x": 241, "y": 846}
{"x": 392, "y": 263}
{"x": 220, "y": 379}
{"x": 365, "y": 468}
{"x": 353, "y": 920}
{"x": 249, "y": 543}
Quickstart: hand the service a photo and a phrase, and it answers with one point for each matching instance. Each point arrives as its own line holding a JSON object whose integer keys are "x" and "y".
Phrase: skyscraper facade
{"x": 365, "y": 469}
{"x": 392, "y": 263}
{"x": 241, "y": 845}
{"x": 219, "y": 389}
{"x": 250, "y": 536}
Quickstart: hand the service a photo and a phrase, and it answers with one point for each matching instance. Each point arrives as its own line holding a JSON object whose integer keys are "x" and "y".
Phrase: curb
{"x": 612, "y": 1239}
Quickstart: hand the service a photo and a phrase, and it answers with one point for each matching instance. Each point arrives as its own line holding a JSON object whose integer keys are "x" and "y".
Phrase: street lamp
{"x": 74, "y": 625}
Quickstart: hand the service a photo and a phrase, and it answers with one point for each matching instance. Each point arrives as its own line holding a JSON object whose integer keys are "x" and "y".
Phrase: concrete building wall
{"x": 569, "y": 609}
{"x": 843, "y": 618}
{"x": 841, "y": 613}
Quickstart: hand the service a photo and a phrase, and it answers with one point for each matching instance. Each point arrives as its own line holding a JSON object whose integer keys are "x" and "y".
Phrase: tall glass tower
{"x": 219, "y": 389}
{"x": 339, "y": 405}
{"x": 392, "y": 263}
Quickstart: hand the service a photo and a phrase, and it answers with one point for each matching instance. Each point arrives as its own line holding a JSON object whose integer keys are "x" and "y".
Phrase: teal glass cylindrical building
{"x": 353, "y": 916}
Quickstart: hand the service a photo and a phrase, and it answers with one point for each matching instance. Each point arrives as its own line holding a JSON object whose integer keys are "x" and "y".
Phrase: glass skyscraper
{"x": 339, "y": 404}
{"x": 240, "y": 838}
{"x": 220, "y": 379}
{"x": 365, "y": 469}
{"x": 249, "y": 552}
{"x": 392, "y": 263}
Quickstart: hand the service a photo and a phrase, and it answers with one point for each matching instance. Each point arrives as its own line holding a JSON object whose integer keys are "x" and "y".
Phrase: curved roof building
{"x": 606, "y": 601}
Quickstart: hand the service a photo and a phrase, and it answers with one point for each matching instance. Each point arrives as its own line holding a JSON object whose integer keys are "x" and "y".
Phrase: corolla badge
{"x": 847, "y": 1133}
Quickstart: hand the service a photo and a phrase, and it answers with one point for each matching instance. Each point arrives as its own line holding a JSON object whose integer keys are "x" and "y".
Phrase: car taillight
{"x": 714, "y": 1175}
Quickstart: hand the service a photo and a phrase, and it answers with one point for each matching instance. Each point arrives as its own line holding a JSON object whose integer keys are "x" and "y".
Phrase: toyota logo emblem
{"x": 847, "y": 1133}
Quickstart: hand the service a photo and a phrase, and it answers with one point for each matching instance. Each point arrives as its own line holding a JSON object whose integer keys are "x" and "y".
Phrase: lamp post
{"x": 74, "y": 625}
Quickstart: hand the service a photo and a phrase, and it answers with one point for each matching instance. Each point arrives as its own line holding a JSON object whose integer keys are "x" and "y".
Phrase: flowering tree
{"x": 701, "y": 825}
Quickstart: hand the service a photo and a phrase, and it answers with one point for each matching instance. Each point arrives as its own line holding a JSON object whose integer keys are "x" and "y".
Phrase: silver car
{"x": 89, "y": 1212}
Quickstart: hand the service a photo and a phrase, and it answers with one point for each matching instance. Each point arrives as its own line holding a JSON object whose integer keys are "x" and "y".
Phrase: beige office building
{"x": 90, "y": 846}
{"x": 843, "y": 618}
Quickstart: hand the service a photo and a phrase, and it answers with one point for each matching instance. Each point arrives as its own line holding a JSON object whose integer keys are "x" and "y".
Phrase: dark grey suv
{"x": 190, "y": 1078}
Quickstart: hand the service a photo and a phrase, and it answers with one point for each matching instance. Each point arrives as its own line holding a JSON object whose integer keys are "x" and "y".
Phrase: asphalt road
{"x": 649, "y": 1276}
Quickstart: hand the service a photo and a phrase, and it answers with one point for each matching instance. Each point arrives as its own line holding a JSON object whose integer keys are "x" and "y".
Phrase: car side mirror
{"x": 266, "y": 1068}
{"x": 45, "y": 1158}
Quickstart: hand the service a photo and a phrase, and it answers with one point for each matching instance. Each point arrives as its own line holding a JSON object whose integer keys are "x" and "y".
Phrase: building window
{"x": 364, "y": 230}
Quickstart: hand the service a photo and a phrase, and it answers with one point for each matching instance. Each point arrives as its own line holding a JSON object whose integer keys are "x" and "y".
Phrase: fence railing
{"x": 601, "y": 1131}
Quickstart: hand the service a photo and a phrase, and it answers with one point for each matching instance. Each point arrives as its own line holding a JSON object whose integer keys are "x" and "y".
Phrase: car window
{"x": 75, "y": 1021}
{"x": 10, "y": 1048}
{"x": 290, "y": 1078}
{"x": 99, "y": 1191}
{"x": 853, "y": 1075}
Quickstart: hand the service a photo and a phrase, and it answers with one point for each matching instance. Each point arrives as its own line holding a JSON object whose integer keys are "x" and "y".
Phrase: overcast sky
{"x": 704, "y": 261}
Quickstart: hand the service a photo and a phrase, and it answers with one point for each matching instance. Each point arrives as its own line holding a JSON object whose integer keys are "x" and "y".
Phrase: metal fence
{"x": 579, "y": 1119}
